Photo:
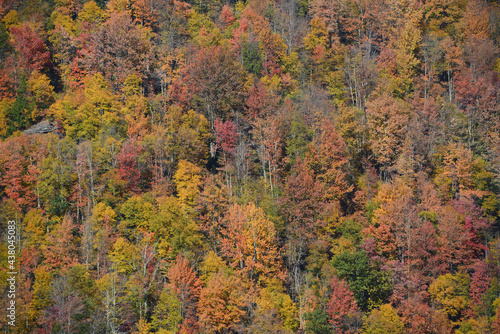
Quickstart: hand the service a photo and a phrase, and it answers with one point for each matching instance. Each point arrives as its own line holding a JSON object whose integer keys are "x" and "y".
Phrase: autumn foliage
{"x": 260, "y": 166}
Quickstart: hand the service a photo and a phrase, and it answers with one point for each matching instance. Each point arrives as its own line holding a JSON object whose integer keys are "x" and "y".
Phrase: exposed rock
{"x": 44, "y": 126}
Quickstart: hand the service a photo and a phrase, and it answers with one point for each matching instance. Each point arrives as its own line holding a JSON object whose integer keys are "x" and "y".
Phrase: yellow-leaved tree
{"x": 451, "y": 293}
{"x": 384, "y": 320}
{"x": 188, "y": 182}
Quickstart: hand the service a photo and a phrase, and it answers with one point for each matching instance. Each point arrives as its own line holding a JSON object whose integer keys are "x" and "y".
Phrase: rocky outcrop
{"x": 40, "y": 128}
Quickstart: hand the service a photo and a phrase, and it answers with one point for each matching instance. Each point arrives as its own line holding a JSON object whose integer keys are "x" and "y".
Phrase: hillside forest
{"x": 258, "y": 166}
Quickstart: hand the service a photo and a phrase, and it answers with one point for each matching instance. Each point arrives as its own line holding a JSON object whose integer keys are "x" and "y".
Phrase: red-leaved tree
{"x": 187, "y": 286}
{"x": 341, "y": 305}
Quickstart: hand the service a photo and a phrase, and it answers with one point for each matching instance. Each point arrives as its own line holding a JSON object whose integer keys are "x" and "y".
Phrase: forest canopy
{"x": 259, "y": 166}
